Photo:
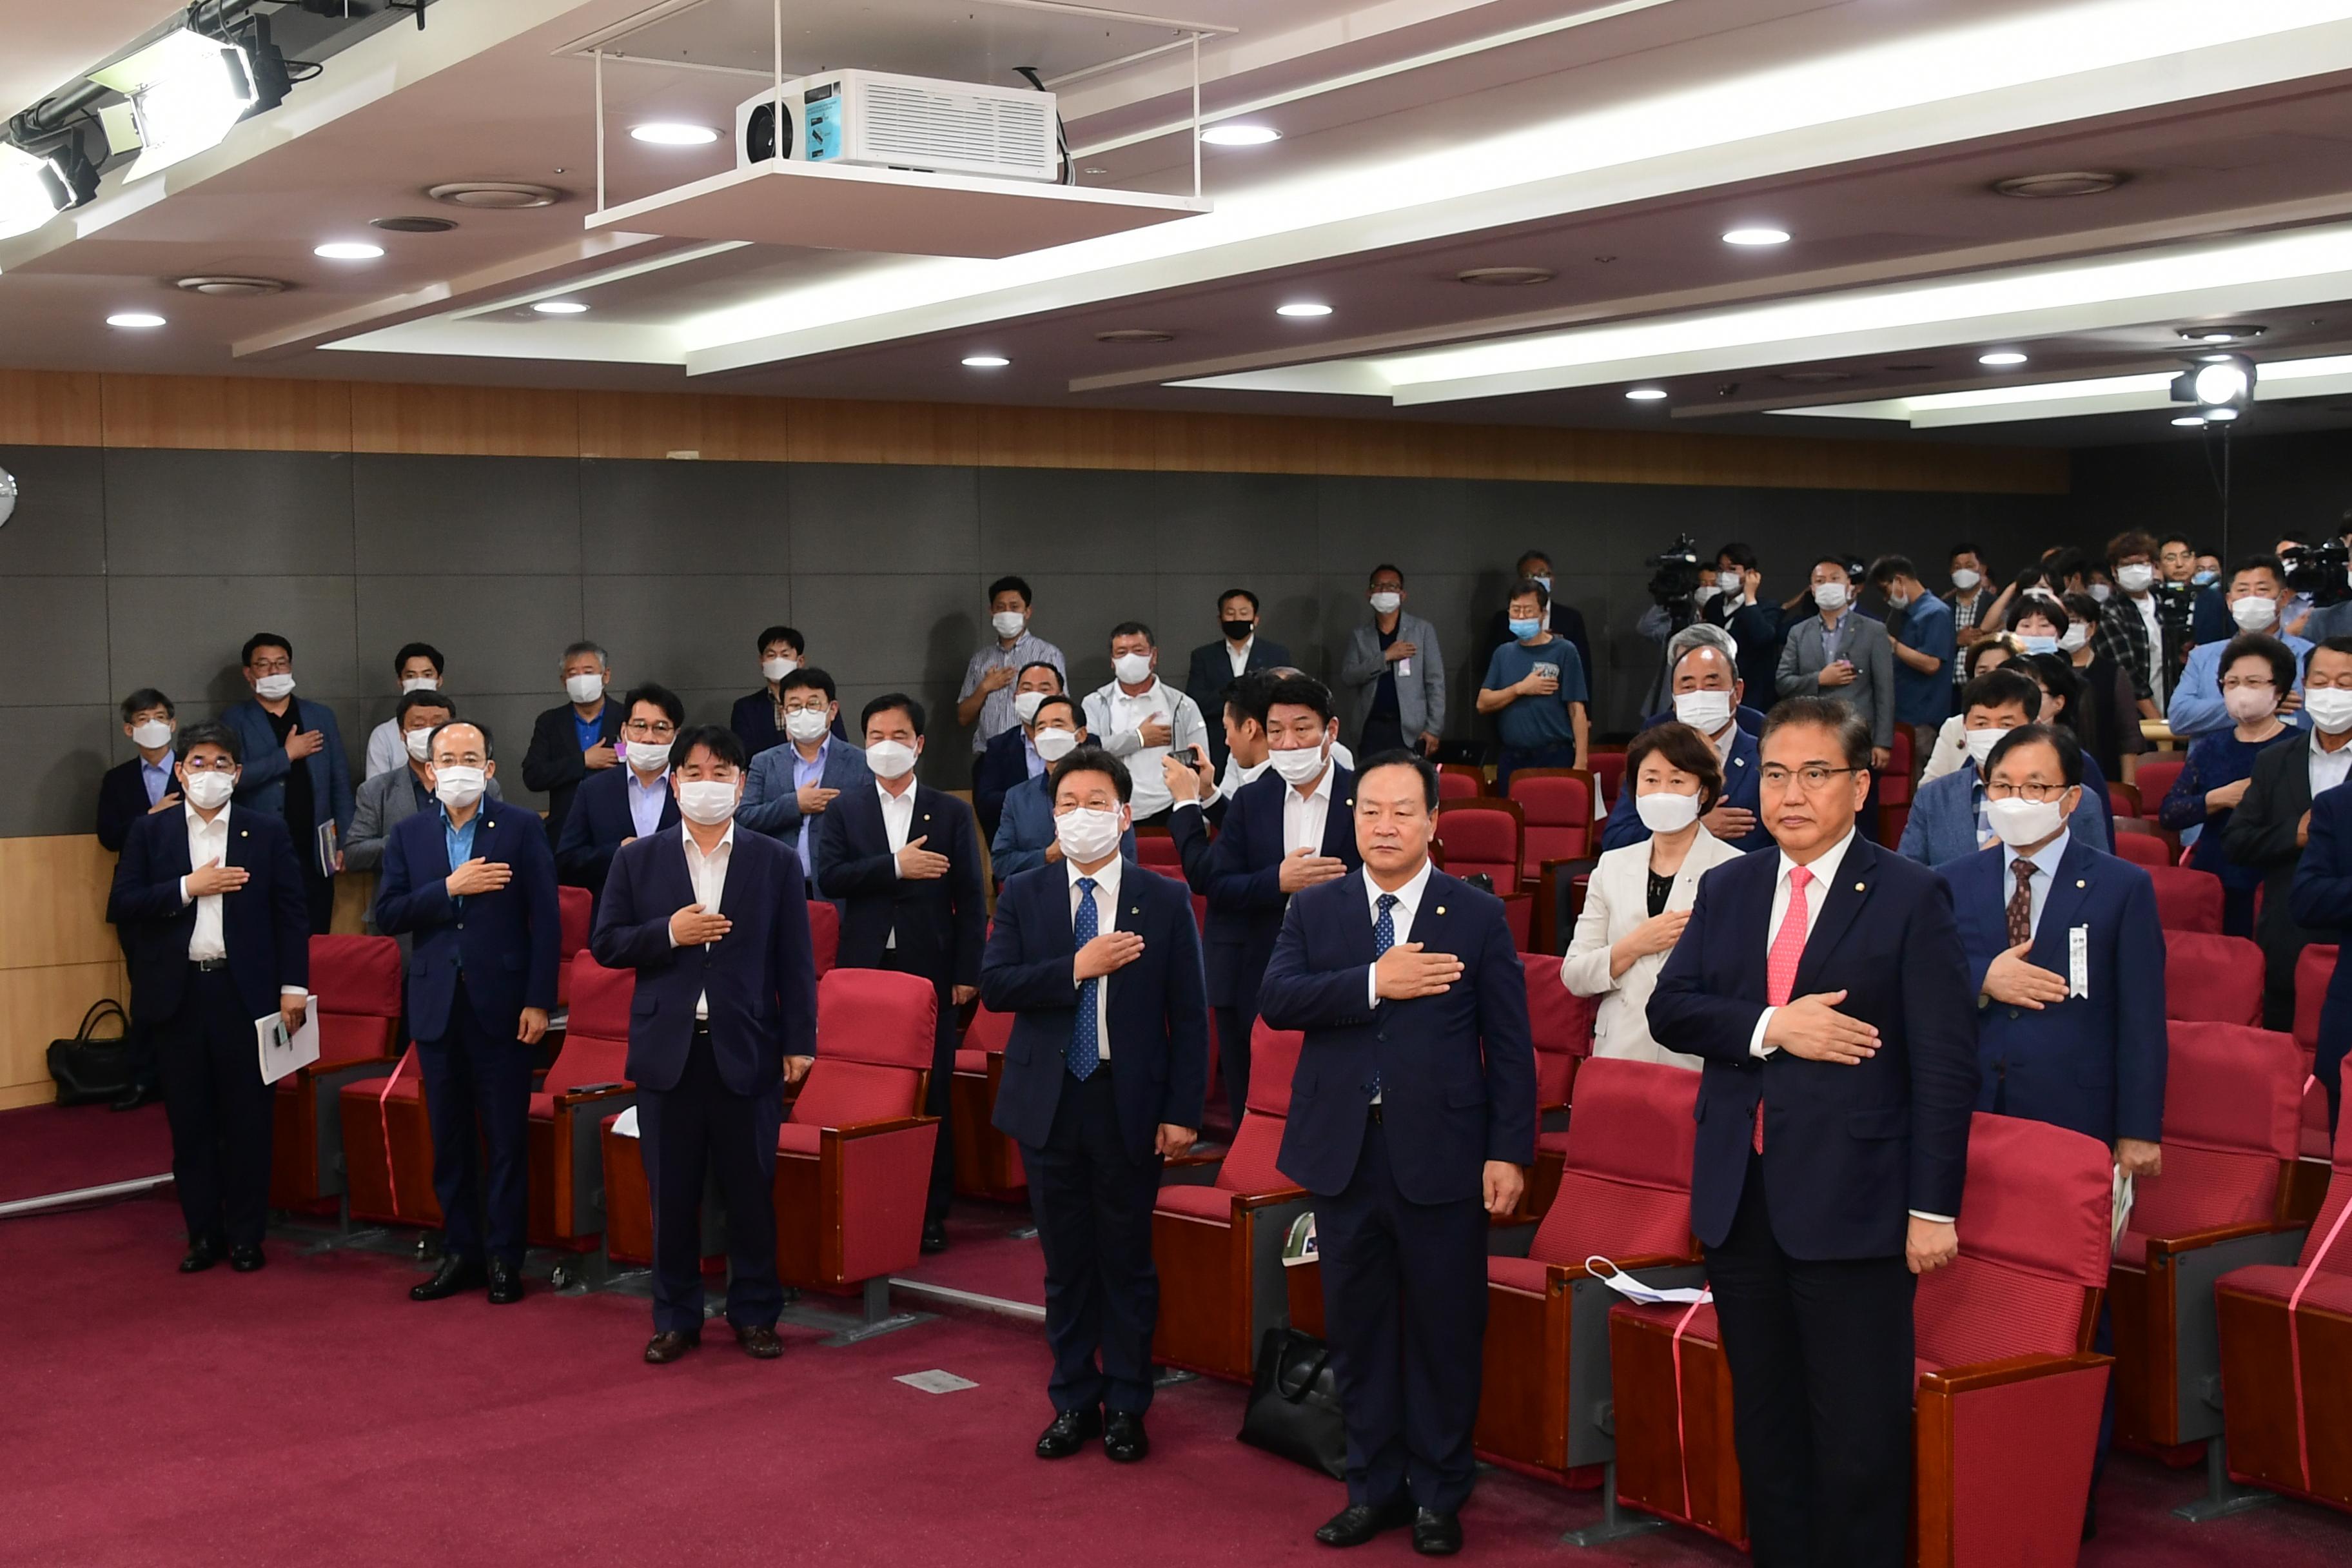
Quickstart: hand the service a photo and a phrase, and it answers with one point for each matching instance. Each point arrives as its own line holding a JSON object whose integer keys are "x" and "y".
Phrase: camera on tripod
{"x": 2319, "y": 570}
{"x": 1674, "y": 580}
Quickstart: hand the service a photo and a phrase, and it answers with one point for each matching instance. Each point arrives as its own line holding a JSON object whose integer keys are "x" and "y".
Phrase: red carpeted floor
{"x": 311, "y": 1413}
{"x": 49, "y": 1149}
{"x": 986, "y": 1258}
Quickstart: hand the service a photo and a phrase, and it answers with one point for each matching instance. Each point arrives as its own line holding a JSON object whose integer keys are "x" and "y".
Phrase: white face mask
{"x": 2254, "y": 613}
{"x": 1727, "y": 582}
{"x": 270, "y": 688}
{"x": 1705, "y": 712}
{"x": 1831, "y": 595}
{"x": 151, "y": 735}
{"x": 2330, "y": 707}
{"x": 2077, "y": 634}
{"x": 2021, "y": 822}
{"x": 1009, "y": 623}
{"x": 707, "y": 803}
{"x": 419, "y": 744}
{"x": 648, "y": 757}
{"x": 806, "y": 725}
{"x": 420, "y": 683}
{"x": 1963, "y": 579}
{"x": 1025, "y": 705}
{"x": 1132, "y": 668}
{"x": 2099, "y": 592}
{"x": 1055, "y": 745}
{"x": 458, "y": 788}
{"x": 209, "y": 791}
{"x": 777, "y": 668}
{"x": 1898, "y": 601}
{"x": 1386, "y": 604}
{"x": 1665, "y": 813}
{"x": 2136, "y": 578}
{"x": 583, "y": 688}
{"x": 1981, "y": 744}
{"x": 1298, "y": 765}
{"x": 1086, "y": 835}
{"x": 890, "y": 759}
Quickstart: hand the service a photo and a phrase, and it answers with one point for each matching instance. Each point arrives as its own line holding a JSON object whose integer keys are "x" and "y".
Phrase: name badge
{"x": 2078, "y": 962}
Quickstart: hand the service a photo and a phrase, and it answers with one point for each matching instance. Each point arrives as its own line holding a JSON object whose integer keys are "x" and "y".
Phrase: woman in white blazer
{"x": 1640, "y": 895}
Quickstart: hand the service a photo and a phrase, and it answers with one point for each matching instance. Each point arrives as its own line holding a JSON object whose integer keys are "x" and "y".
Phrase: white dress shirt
{"x": 897, "y": 821}
{"x": 708, "y": 875}
{"x": 1304, "y": 817}
{"x": 387, "y": 750}
{"x": 1105, "y": 920}
{"x": 2327, "y": 768}
{"x": 2044, "y": 862}
{"x": 208, "y": 842}
{"x": 2146, "y": 606}
{"x": 1237, "y": 654}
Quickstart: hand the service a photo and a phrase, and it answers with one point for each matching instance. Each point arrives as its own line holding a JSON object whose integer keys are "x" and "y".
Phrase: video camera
{"x": 2318, "y": 570}
{"x": 1674, "y": 582}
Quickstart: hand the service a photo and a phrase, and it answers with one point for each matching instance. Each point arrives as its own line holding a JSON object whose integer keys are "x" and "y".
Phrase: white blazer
{"x": 1616, "y": 900}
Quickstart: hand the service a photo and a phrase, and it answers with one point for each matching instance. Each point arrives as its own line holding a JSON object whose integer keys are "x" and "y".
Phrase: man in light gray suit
{"x": 1842, "y": 656}
{"x": 1395, "y": 673}
{"x": 388, "y": 800}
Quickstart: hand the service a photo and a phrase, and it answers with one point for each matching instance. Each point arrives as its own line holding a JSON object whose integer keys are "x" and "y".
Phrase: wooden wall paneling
{"x": 464, "y": 421}
{"x": 53, "y": 909}
{"x": 228, "y": 413}
{"x": 37, "y": 1006}
{"x": 720, "y": 429}
{"x": 51, "y": 408}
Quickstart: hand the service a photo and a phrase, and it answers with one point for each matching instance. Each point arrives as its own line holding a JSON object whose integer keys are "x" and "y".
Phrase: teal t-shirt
{"x": 1537, "y": 723}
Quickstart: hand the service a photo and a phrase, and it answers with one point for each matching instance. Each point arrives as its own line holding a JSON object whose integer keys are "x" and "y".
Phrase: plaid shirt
{"x": 1966, "y": 608}
{"x": 2123, "y": 636}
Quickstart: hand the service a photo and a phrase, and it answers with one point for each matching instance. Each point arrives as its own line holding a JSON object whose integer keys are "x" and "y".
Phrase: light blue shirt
{"x": 1029, "y": 754}
{"x": 2044, "y": 862}
{"x": 646, "y": 800}
{"x": 156, "y": 776}
{"x": 2195, "y": 706}
{"x": 460, "y": 842}
{"x": 805, "y": 774}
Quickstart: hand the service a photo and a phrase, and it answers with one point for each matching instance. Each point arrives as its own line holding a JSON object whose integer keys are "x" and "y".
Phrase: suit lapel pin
{"x": 1441, "y": 909}
{"x": 241, "y": 833}
{"x": 1857, "y": 887}
{"x": 2080, "y": 883}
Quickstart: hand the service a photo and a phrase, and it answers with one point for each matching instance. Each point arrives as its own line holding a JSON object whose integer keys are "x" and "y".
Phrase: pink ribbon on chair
{"x": 1682, "y": 1448}
{"x": 384, "y": 1115}
{"x": 2294, "y": 1340}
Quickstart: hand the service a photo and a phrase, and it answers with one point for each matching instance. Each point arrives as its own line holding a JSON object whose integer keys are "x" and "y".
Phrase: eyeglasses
{"x": 2040, "y": 791}
{"x": 1813, "y": 779}
{"x": 660, "y": 731}
{"x": 214, "y": 764}
{"x": 2238, "y": 683}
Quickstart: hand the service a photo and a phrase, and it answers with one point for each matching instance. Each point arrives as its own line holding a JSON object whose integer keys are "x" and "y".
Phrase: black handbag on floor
{"x": 87, "y": 1071}
{"x": 1294, "y": 1404}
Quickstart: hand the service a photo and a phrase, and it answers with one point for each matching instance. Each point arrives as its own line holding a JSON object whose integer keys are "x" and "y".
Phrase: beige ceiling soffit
{"x": 565, "y": 263}
{"x": 606, "y": 344}
{"x": 1919, "y": 269}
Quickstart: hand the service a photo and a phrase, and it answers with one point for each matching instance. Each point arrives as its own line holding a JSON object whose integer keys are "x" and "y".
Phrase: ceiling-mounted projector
{"x": 879, "y": 121}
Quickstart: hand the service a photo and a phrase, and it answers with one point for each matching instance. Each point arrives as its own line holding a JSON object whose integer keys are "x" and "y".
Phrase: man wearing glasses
{"x": 1825, "y": 987}
{"x": 619, "y": 806}
{"x": 296, "y": 769}
{"x": 791, "y": 785}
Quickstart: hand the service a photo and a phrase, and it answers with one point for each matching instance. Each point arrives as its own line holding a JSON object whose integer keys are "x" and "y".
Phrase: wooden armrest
{"x": 2010, "y": 1369}
{"x": 1244, "y": 1201}
{"x": 2170, "y": 1246}
{"x": 571, "y": 1097}
{"x": 875, "y": 1128}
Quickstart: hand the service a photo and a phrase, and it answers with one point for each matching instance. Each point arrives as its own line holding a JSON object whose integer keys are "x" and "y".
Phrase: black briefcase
{"x": 1294, "y": 1404}
{"x": 87, "y": 1071}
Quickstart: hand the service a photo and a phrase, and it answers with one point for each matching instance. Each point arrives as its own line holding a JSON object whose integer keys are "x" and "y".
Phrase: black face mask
{"x": 1237, "y": 630}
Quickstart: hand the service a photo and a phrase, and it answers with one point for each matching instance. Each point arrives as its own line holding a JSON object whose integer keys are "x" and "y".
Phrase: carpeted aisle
{"x": 49, "y": 1149}
{"x": 313, "y": 1414}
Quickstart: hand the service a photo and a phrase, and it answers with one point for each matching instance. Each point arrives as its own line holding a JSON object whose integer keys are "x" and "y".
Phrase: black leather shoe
{"x": 1123, "y": 1436}
{"x": 935, "y": 1237}
{"x": 759, "y": 1340}
{"x": 246, "y": 1259}
{"x": 454, "y": 1274}
{"x": 1068, "y": 1432}
{"x": 137, "y": 1095}
{"x": 1436, "y": 1534}
{"x": 203, "y": 1252}
{"x": 506, "y": 1282}
{"x": 1360, "y": 1523}
{"x": 668, "y": 1345}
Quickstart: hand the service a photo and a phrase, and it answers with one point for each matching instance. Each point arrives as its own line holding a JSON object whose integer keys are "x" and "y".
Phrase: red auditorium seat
{"x": 987, "y": 1163}
{"x": 388, "y": 1148}
{"x": 2142, "y": 849}
{"x": 575, "y": 909}
{"x": 1624, "y": 1195}
{"x": 1218, "y": 1227}
{"x": 1488, "y": 836}
{"x": 2123, "y": 799}
{"x": 2286, "y": 1357}
{"x": 824, "y": 934}
{"x": 587, "y": 1082}
{"x": 2212, "y": 979}
{"x": 1608, "y": 774}
{"x": 2009, "y": 1397}
{"x": 2314, "y": 968}
{"x": 1156, "y": 848}
{"x": 355, "y": 985}
{"x": 2230, "y": 1124}
{"x": 1557, "y": 805}
{"x": 1894, "y": 788}
{"x": 2187, "y": 898}
{"x": 1459, "y": 780}
{"x": 1561, "y": 1025}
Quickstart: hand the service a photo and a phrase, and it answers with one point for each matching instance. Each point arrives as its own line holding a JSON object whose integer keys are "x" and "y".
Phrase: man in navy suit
{"x": 615, "y": 807}
{"x": 716, "y": 924}
{"x": 472, "y": 884}
{"x": 1099, "y": 963}
{"x": 2322, "y": 900}
{"x": 791, "y": 785}
{"x": 1409, "y": 990}
{"x": 295, "y": 768}
{"x": 216, "y": 922}
{"x": 1710, "y": 698}
{"x": 129, "y": 792}
{"x": 1827, "y": 991}
{"x": 1012, "y": 757}
{"x": 902, "y": 862}
{"x": 1292, "y": 828}
{"x": 1216, "y": 666}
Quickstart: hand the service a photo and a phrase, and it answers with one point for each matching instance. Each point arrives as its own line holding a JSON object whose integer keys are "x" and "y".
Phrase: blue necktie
{"x": 1084, "y": 1051}
{"x": 1383, "y": 939}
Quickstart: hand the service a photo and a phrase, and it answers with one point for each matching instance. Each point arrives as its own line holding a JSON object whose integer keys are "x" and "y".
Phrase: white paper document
{"x": 282, "y": 1053}
{"x": 625, "y": 1125}
{"x": 2123, "y": 1208}
{"x": 936, "y": 1380}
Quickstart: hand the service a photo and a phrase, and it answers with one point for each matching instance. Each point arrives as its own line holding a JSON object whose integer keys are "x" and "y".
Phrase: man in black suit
{"x": 1011, "y": 759}
{"x": 1408, "y": 989}
{"x": 1564, "y": 619}
{"x": 575, "y": 737}
{"x": 1826, "y": 988}
{"x": 1099, "y": 963}
{"x": 216, "y": 918}
{"x": 1239, "y": 652}
{"x": 902, "y": 862}
{"x": 619, "y": 806}
{"x": 1754, "y": 623}
{"x": 2271, "y": 824}
{"x": 130, "y": 790}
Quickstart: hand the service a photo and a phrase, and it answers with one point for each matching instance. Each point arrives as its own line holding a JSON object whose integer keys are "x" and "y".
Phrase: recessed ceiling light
{"x": 1645, "y": 395}
{"x": 1135, "y": 335}
{"x": 134, "y": 319}
{"x": 412, "y": 225}
{"x": 226, "y": 287}
{"x": 497, "y": 195}
{"x": 670, "y": 133}
{"x": 1756, "y": 237}
{"x": 1302, "y": 307}
{"x": 2228, "y": 335}
{"x": 986, "y": 362}
{"x": 2066, "y": 183}
{"x": 559, "y": 308}
{"x": 349, "y": 250}
{"x": 2190, "y": 422}
{"x": 2000, "y": 357}
{"x": 1240, "y": 135}
{"x": 1505, "y": 277}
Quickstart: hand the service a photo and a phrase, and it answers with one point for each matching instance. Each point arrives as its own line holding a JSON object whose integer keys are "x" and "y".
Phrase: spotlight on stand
{"x": 2222, "y": 385}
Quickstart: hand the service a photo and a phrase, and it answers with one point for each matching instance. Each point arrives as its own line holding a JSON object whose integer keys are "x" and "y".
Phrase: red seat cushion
{"x": 972, "y": 1061}
{"x": 542, "y": 1107}
{"x": 1528, "y": 1274}
{"x": 799, "y": 1138}
{"x": 1555, "y": 1142}
{"x": 1201, "y": 1203}
{"x": 2276, "y": 1282}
